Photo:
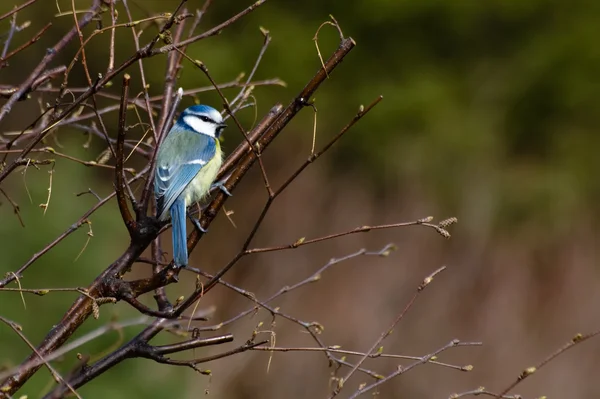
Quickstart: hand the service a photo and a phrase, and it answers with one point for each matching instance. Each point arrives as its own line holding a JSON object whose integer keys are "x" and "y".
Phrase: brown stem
{"x": 120, "y": 158}
{"x": 24, "y": 46}
{"x": 17, "y": 9}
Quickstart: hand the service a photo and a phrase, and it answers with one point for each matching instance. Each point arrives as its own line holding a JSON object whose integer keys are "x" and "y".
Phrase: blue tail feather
{"x": 180, "y": 253}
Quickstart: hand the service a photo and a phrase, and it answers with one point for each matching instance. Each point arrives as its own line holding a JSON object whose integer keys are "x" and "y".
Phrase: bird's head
{"x": 202, "y": 119}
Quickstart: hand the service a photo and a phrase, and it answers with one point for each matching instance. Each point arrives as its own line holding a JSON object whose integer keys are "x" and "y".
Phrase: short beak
{"x": 222, "y": 125}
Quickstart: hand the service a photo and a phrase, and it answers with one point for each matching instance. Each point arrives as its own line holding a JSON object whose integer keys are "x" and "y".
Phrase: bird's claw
{"x": 221, "y": 186}
{"x": 196, "y": 223}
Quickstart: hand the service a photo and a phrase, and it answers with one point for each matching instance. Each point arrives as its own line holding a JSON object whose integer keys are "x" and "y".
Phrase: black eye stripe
{"x": 205, "y": 118}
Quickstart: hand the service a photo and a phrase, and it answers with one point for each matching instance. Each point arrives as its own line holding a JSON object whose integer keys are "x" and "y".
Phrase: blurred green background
{"x": 490, "y": 114}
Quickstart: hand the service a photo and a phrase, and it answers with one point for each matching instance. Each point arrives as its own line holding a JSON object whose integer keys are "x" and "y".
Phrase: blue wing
{"x": 180, "y": 157}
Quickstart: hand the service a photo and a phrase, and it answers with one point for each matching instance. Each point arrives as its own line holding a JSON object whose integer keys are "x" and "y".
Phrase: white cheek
{"x": 200, "y": 126}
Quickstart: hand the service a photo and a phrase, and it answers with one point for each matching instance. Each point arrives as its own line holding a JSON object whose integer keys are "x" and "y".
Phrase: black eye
{"x": 205, "y": 118}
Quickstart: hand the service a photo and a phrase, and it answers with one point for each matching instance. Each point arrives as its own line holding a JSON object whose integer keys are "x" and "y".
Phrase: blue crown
{"x": 200, "y": 109}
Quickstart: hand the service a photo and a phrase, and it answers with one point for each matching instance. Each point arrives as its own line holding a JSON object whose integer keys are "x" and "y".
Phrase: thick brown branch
{"x": 244, "y": 147}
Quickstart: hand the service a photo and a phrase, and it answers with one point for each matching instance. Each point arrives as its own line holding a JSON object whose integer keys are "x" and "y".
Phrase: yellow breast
{"x": 200, "y": 185}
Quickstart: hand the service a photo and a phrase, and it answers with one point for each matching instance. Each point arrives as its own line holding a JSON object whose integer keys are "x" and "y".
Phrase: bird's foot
{"x": 196, "y": 223}
{"x": 221, "y": 186}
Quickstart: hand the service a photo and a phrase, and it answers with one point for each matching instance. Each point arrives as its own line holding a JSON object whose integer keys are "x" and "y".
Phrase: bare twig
{"x": 481, "y": 391}
{"x": 141, "y": 65}
{"x": 57, "y": 377}
{"x": 402, "y": 370}
{"x": 119, "y": 176}
{"x": 17, "y": 9}
{"x": 25, "y": 45}
{"x": 336, "y": 349}
{"x": 74, "y": 227}
{"x": 386, "y": 333}
{"x": 15, "y": 206}
{"x": 576, "y": 340}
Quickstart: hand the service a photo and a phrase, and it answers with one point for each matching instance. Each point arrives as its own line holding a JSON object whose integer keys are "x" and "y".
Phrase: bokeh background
{"x": 490, "y": 114}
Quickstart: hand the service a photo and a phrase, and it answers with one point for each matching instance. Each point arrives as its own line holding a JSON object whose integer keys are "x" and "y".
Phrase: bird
{"x": 187, "y": 163}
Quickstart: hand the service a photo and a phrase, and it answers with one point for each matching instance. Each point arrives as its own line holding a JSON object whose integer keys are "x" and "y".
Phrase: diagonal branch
{"x": 55, "y": 375}
{"x": 25, "y": 45}
{"x": 17, "y": 9}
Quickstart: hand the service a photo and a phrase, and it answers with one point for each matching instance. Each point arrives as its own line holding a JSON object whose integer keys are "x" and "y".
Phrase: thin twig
{"x": 25, "y": 45}
{"x": 363, "y": 229}
{"x": 576, "y": 340}
{"x": 385, "y": 334}
{"x": 17, "y": 9}
{"x": 120, "y": 157}
{"x": 336, "y": 349}
{"x": 74, "y": 227}
{"x": 15, "y": 206}
{"x": 402, "y": 370}
{"x": 57, "y": 377}
{"x": 141, "y": 65}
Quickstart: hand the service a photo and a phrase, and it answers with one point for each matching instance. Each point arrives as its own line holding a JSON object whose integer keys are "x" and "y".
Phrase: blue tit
{"x": 187, "y": 164}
